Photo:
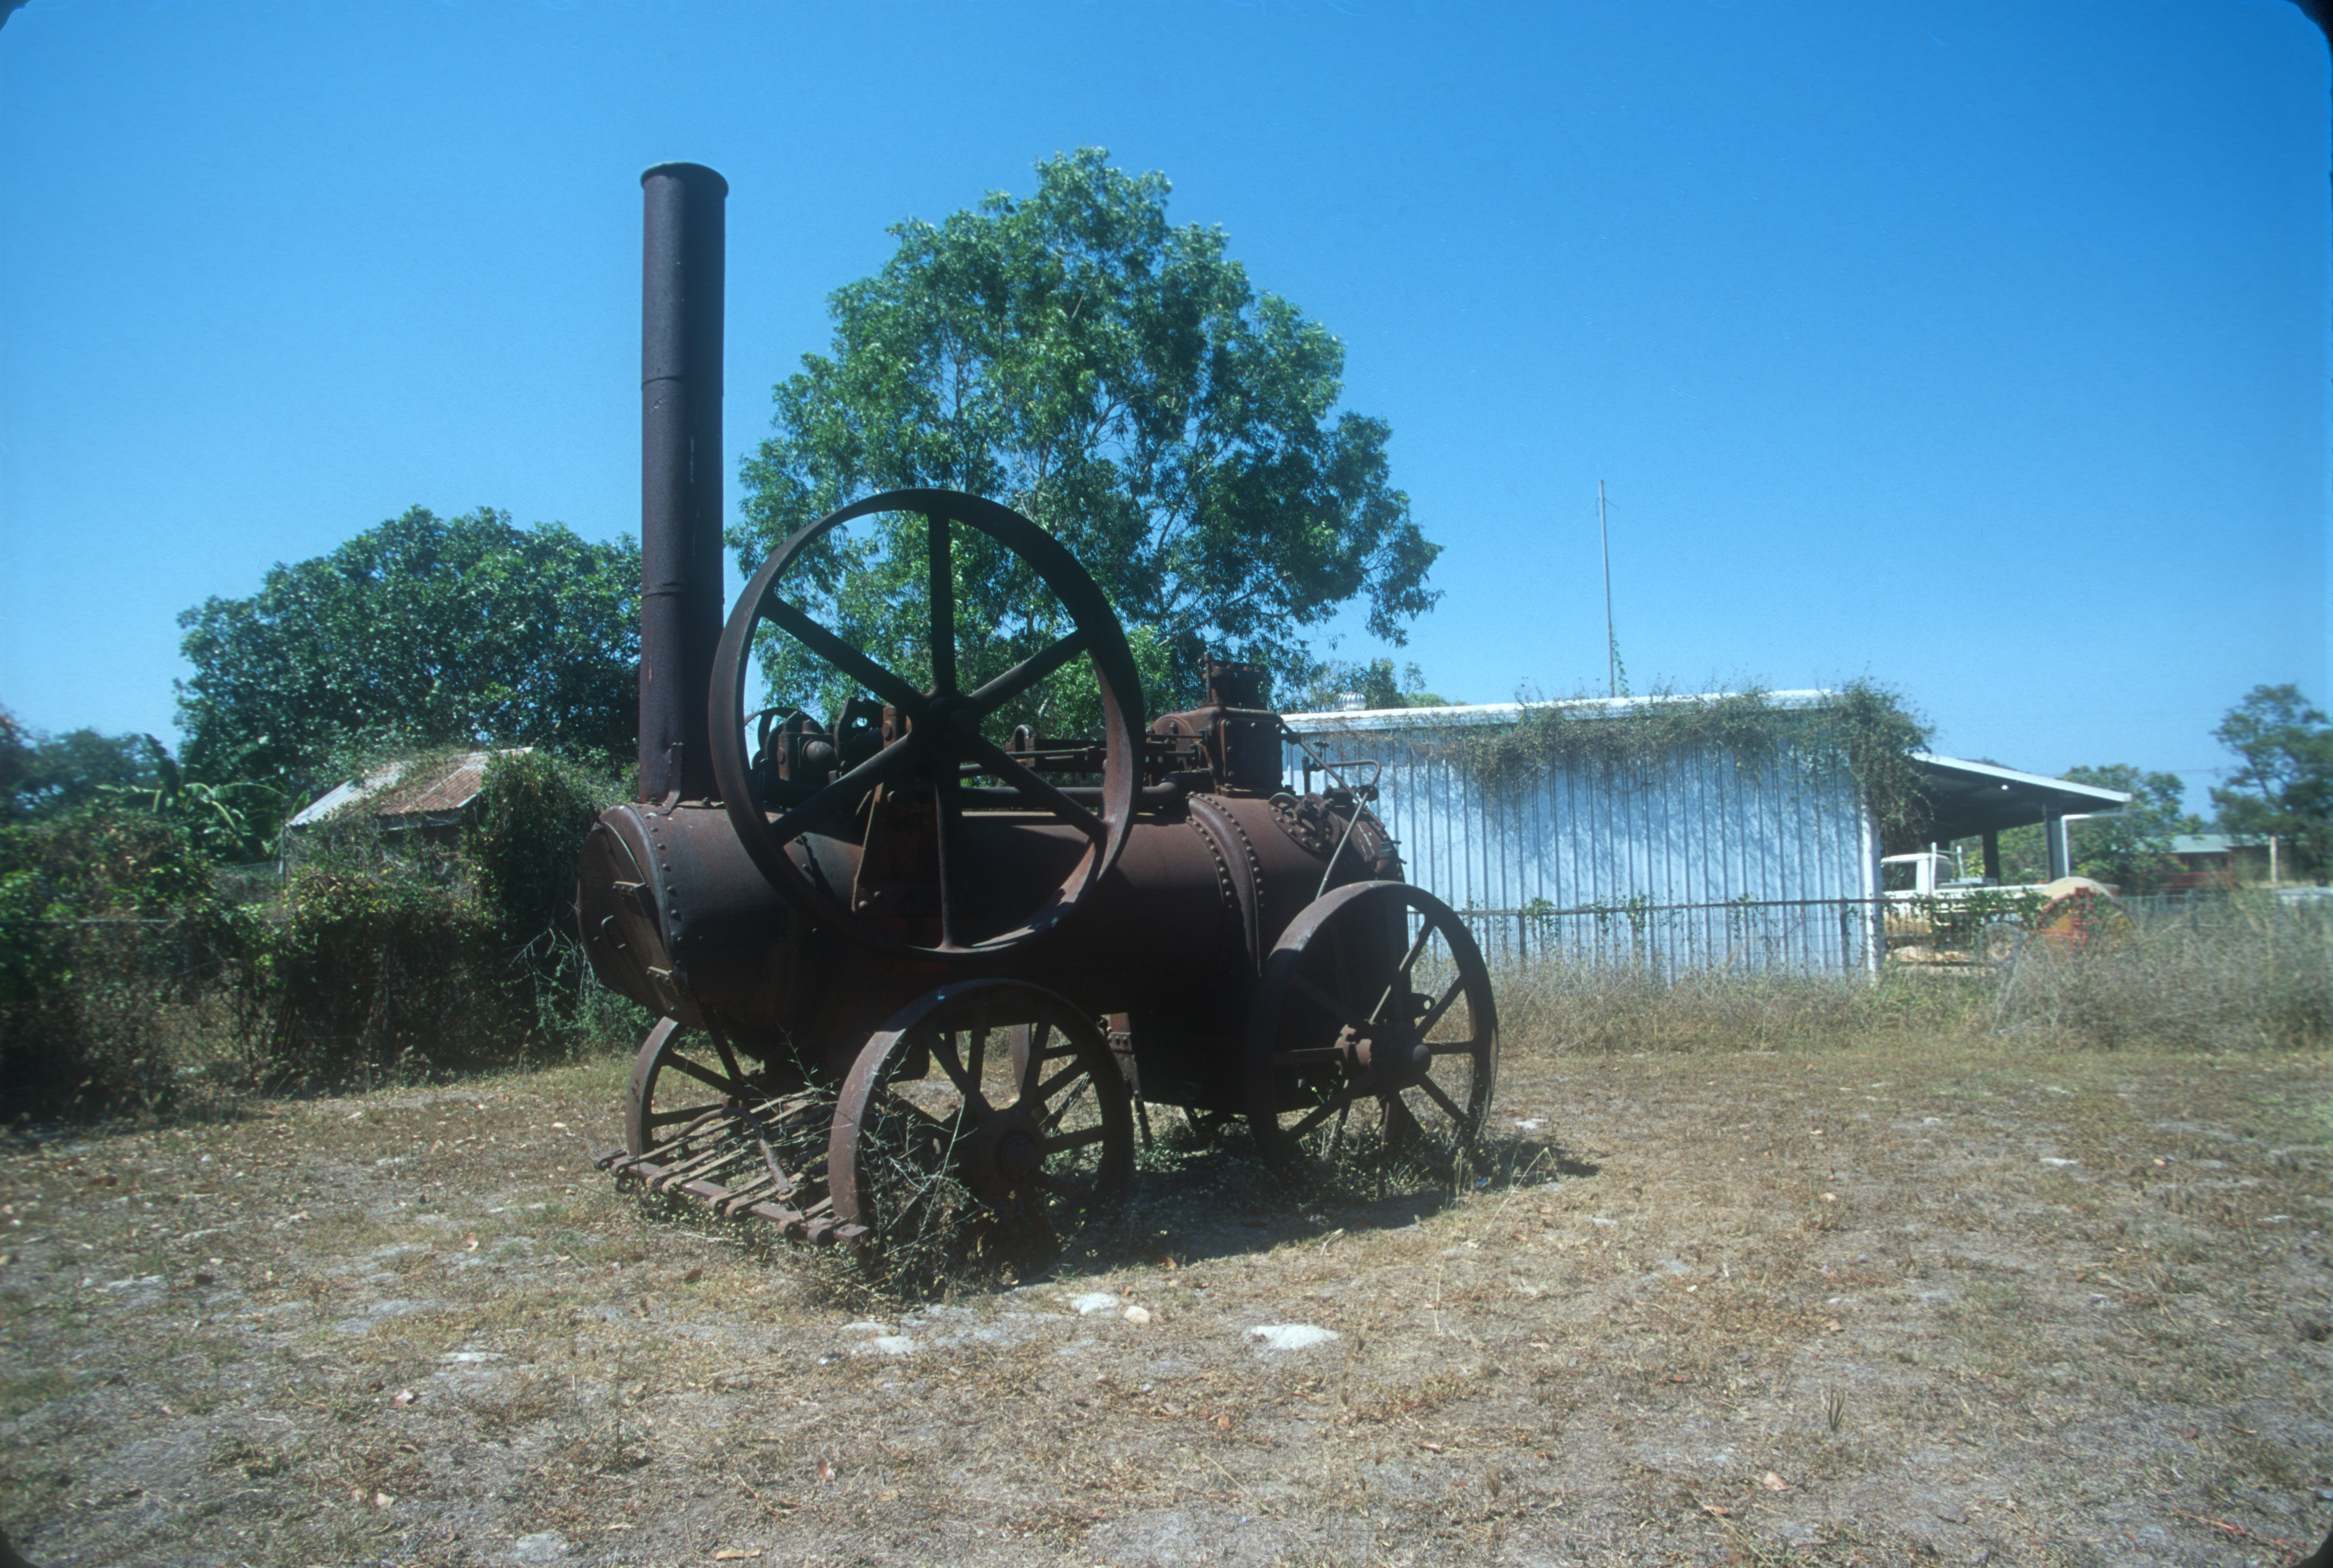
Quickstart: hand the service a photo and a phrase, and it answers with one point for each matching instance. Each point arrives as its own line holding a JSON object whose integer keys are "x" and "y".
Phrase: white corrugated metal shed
{"x": 1700, "y": 858}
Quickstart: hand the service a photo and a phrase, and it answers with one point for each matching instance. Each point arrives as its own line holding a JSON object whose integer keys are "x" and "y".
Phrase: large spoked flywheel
{"x": 937, "y": 899}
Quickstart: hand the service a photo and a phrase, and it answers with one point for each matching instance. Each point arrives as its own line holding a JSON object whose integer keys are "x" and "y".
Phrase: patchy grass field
{"x": 1931, "y": 1301}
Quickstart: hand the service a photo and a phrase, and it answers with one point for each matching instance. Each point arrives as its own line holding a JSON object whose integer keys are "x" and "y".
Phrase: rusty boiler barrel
{"x": 674, "y": 915}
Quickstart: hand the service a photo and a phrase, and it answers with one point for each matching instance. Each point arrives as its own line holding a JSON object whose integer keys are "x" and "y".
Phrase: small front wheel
{"x": 680, "y": 1081}
{"x": 1373, "y": 1035}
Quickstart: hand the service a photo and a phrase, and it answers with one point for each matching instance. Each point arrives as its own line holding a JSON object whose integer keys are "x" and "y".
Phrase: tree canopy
{"x": 422, "y": 632}
{"x": 1117, "y": 379}
{"x": 2131, "y": 849}
{"x": 2283, "y": 782}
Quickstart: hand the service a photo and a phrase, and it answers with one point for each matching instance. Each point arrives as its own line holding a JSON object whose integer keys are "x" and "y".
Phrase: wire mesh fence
{"x": 1817, "y": 935}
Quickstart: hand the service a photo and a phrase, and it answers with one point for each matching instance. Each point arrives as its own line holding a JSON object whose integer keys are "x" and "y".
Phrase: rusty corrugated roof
{"x": 402, "y": 790}
{"x": 446, "y": 788}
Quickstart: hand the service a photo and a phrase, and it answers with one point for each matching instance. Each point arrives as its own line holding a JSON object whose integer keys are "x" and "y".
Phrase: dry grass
{"x": 2240, "y": 975}
{"x": 1954, "y": 1296}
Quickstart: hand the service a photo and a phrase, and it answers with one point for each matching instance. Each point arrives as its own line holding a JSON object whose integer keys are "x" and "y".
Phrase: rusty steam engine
{"x": 917, "y": 972}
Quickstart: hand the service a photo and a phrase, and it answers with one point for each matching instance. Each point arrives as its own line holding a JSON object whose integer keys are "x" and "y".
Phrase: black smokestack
{"x": 685, "y": 238}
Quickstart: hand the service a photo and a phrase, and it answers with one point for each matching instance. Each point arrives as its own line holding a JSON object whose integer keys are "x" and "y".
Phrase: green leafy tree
{"x": 1117, "y": 379}
{"x": 423, "y": 631}
{"x": 2283, "y": 782}
{"x": 2130, "y": 849}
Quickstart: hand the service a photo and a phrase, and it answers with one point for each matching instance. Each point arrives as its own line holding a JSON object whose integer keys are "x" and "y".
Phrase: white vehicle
{"x": 1936, "y": 914}
{"x": 1929, "y": 874}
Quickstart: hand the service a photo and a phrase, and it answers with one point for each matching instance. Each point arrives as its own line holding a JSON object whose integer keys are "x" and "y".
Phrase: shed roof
{"x": 1368, "y": 720}
{"x": 405, "y": 791}
{"x": 2209, "y": 843}
{"x": 1966, "y": 798}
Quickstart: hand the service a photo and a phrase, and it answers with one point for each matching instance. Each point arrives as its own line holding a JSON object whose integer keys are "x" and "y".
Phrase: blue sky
{"x": 1978, "y": 349}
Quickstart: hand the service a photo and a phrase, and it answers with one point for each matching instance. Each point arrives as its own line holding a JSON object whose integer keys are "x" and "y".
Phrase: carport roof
{"x": 1966, "y": 798}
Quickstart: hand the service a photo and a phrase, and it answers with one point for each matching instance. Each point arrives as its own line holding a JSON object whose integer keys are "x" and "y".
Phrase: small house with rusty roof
{"x": 431, "y": 798}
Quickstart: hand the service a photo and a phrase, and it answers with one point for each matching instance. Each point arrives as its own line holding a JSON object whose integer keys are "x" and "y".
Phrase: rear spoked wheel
{"x": 681, "y": 1079}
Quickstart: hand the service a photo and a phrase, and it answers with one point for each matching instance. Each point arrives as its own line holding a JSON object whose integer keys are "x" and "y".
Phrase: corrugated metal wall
{"x": 1705, "y": 859}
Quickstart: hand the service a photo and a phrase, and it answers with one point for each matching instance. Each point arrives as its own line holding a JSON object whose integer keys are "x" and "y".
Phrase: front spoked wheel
{"x": 1373, "y": 1038}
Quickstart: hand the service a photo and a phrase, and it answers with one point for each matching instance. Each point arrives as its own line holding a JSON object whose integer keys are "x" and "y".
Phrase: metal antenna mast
{"x": 1611, "y": 647}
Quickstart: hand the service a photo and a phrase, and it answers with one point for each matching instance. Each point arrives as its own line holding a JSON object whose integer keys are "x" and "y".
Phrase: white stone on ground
{"x": 1093, "y": 1302}
{"x": 1292, "y": 1336}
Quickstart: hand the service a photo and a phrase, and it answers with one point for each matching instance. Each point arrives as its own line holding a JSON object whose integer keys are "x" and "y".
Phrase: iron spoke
{"x": 844, "y": 658}
{"x": 943, "y": 1051}
{"x": 943, "y": 581}
{"x": 1068, "y": 1102}
{"x": 977, "y": 1058}
{"x": 1028, "y": 672}
{"x": 729, "y": 1063}
{"x": 1032, "y": 1044}
{"x": 1310, "y": 1056}
{"x": 1400, "y": 981}
{"x": 1069, "y": 1140}
{"x": 704, "y": 1075}
{"x": 948, "y": 802}
{"x": 1401, "y": 1123}
{"x": 1433, "y": 1092}
{"x": 847, "y": 789}
{"x": 1453, "y": 1047}
{"x": 1322, "y": 1111}
{"x": 1045, "y": 1090}
{"x": 1038, "y": 790}
{"x": 1433, "y": 1014}
{"x": 1333, "y": 1008}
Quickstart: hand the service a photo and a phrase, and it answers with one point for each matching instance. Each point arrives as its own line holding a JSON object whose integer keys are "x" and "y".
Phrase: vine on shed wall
{"x": 1865, "y": 727}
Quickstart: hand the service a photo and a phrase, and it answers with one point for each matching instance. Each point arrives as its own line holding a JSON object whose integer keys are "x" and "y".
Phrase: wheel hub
{"x": 955, "y": 720}
{"x": 1002, "y": 1155}
{"x": 1397, "y": 1057}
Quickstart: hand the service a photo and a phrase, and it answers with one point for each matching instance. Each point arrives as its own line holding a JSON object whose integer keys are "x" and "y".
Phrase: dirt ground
{"x": 1928, "y": 1302}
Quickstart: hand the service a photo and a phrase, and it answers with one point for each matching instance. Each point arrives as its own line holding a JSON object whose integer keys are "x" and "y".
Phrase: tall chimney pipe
{"x": 684, "y": 242}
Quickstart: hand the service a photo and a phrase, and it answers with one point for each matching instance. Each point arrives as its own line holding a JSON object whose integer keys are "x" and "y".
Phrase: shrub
{"x": 120, "y": 965}
{"x": 534, "y": 810}
{"x": 392, "y": 951}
